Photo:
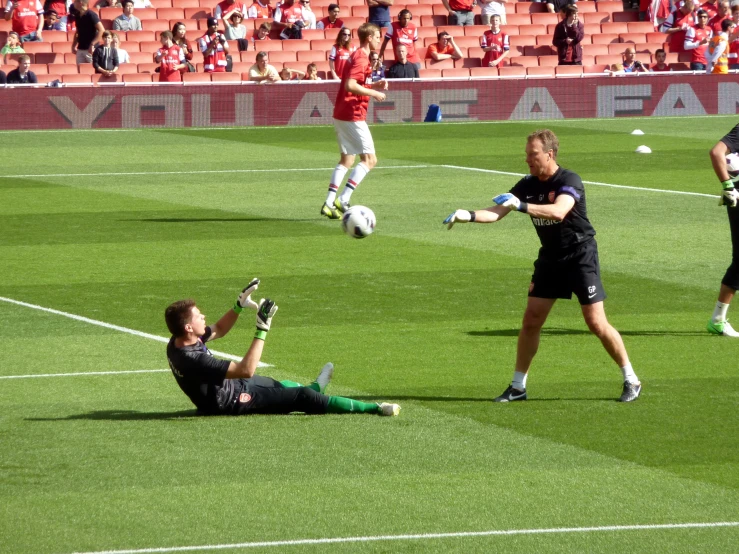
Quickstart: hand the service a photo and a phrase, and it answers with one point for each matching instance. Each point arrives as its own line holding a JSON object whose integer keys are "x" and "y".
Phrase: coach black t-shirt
{"x": 557, "y": 237}
{"x": 731, "y": 140}
{"x": 201, "y": 376}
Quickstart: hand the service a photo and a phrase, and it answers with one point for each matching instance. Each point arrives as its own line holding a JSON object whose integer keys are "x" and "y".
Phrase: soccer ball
{"x": 358, "y": 222}
{"x": 732, "y": 164}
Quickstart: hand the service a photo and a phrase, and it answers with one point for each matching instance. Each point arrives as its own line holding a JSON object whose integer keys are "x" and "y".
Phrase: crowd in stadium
{"x": 197, "y": 40}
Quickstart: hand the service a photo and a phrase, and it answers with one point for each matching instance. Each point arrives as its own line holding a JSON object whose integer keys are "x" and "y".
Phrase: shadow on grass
{"x": 122, "y": 415}
{"x": 562, "y": 332}
{"x": 391, "y": 397}
{"x": 215, "y": 219}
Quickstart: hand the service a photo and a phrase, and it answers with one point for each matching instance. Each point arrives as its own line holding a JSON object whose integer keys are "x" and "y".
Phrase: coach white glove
{"x": 265, "y": 312}
{"x": 460, "y": 216}
{"x": 729, "y": 196}
{"x": 244, "y": 300}
{"x": 507, "y": 200}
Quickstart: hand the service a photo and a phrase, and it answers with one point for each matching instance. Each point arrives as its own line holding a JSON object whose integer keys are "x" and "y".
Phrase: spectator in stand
{"x": 696, "y": 41}
{"x": 444, "y": 48}
{"x": 289, "y": 17}
{"x": 495, "y": 44}
{"x": 141, "y": 4}
{"x": 661, "y": 56}
{"x": 108, "y": 4}
{"x": 568, "y": 35}
{"x": 21, "y": 75}
{"x": 61, "y": 8}
{"x": 287, "y": 74}
{"x": 332, "y": 21}
{"x": 12, "y": 46}
{"x": 630, "y": 63}
{"x": 340, "y": 53}
{"x": 377, "y": 67}
{"x": 379, "y": 12}
{"x": 171, "y": 59}
{"x": 660, "y": 10}
{"x": 127, "y": 21}
{"x": 261, "y": 72}
{"x": 556, "y": 6}
{"x": 52, "y": 22}
{"x": 403, "y": 32}
{"x": 718, "y": 49}
{"x": 734, "y": 40}
{"x": 311, "y": 73}
{"x": 179, "y": 32}
{"x": 402, "y": 68}
{"x": 260, "y": 10}
{"x": 308, "y": 16}
{"x": 225, "y": 8}
{"x": 460, "y": 12}
{"x": 214, "y": 48}
{"x": 263, "y": 32}
{"x": 490, "y": 8}
{"x": 724, "y": 12}
{"x": 122, "y": 54}
{"x": 89, "y": 31}
{"x": 676, "y": 25}
{"x": 235, "y": 30}
{"x": 27, "y": 19}
{"x": 105, "y": 58}
{"x": 711, "y": 7}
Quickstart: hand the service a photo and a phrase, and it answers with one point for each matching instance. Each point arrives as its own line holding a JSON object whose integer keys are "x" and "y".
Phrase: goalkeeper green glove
{"x": 244, "y": 300}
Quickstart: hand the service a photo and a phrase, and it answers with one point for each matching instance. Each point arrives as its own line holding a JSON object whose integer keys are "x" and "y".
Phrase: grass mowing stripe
{"x": 84, "y": 374}
{"x": 112, "y": 326}
{"x": 598, "y": 183}
{"x": 200, "y": 172}
{"x": 335, "y": 540}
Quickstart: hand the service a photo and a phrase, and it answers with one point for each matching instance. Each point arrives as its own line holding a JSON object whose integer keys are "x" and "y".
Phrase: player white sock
{"x": 337, "y": 177}
{"x": 719, "y": 312}
{"x": 519, "y": 380}
{"x": 359, "y": 173}
{"x": 629, "y": 374}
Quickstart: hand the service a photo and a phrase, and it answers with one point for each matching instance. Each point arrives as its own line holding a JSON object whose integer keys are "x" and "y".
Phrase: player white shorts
{"x": 354, "y": 137}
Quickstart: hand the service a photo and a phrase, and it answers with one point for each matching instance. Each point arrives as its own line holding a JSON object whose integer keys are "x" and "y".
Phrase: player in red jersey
{"x": 171, "y": 57}
{"x": 350, "y": 114}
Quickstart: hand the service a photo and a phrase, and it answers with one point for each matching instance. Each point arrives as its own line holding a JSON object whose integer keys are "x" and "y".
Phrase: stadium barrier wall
{"x": 113, "y": 107}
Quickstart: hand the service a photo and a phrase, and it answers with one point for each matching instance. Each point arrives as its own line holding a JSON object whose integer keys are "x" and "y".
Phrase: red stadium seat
{"x": 353, "y": 22}
{"x": 434, "y": 20}
{"x": 99, "y": 78}
{"x": 429, "y": 73}
{"x": 544, "y": 18}
{"x": 609, "y": 59}
{"x": 540, "y": 71}
{"x": 605, "y": 38}
{"x": 548, "y": 61}
{"x": 633, "y": 37}
{"x": 112, "y": 13}
{"x": 76, "y": 78}
{"x": 525, "y": 61}
{"x": 47, "y": 57}
{"x": 44, "y": 79}
{"x": 532, "y": 29}
{"x": 157, "y": 4}
{"x": 127, "y": 68}
{"x": 657, "y": 38}
{"x": 614, "y": 28}
{"x": 608, "y": 6}
{"x": 468, "y": 62}
{"x": 225, "y": 77}
{"x": 517, "y": 19}
{"x": 170, "y": 13}
{"x": 185, "y": 4}
{"x": 70, "y": 57}
{"x": 456, "y": 73}
{"x": 594, "y": 68}
{"x": 196, "y": 77}
{"x": 599, "y": 49}
{"x": 467, "y": 42}
{"x": 680, "y": 66}
{"x": 522, "y": 40}
{"x": 543, "y": 50}
{"x": 510, "y": 30}
{"x": 512, "y": 71}
{"x": 156, "y": 25}
{"x": 140, "y": 57}
{"x": 483, "y": 72}
{"x": 586, "y": 7}
{"x": 546, "y": 40}
{"x": 268, "y": 46}
{"x": 441, "y": 64}
{"x": 640, "y": 27}
{"x": 282, "y": 57}
{"x": 63, "y": 69}
{"x": 86, "y": 68}
{"x": 625, "y": 17}
{"x": 148, "y": 67}
{"x": 36, "y": 47}
{"x": 150, "y": 46}
{"x": 595, "y": 18}
{"x": 198, "y": 13}
{"x": 51, "y": 36}
{"x": 469, "y": 31}
{"x": 530, "y": 7}
{"x": 62, "y": 47}
{"x": 568, "y": 70}
{"x": 310, "y": 56}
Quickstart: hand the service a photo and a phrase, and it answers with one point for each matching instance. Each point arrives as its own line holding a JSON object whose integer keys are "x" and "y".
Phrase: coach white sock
{"x": 359, "y": 173}
{"x": 337, "y": 177}
{"x": 519, "y": 380}
{"x": 719, "y": 312}
{"x": 629, "y": 374}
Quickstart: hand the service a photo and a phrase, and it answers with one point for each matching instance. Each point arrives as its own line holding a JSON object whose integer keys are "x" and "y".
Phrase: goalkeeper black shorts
{"x": 576, "y": 272}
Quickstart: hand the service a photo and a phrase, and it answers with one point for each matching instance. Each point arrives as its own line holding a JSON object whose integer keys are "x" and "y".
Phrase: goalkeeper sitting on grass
{"x": 229, "y": 388}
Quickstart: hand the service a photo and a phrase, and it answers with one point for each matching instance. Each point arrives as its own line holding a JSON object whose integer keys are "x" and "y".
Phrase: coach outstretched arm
{"x": 557, "y": 211}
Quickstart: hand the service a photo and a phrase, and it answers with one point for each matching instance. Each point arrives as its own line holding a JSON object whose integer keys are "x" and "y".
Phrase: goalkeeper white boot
{"x": 722, "y": 328}
{"x": 387, "y": 409}
{"x": 324, "y": 378}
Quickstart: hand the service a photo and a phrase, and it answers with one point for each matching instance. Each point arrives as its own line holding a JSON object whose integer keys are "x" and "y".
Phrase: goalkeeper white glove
{"x": 729, "y": 195}
{"x": 460, "y": 216}
{"x": 267, "y": 310}
{"x": 508, "y": 200}
{"x": 244, "y": 300}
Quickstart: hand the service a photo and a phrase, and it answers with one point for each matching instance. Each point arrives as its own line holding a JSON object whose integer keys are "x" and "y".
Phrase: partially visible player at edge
{"x": 231, "y": 388}
{"x": 554, "y": 198}
{"x": 350, "y": 114}
{"x": 718, "y": 324}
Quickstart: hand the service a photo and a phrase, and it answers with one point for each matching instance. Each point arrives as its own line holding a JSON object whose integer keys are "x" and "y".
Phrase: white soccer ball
{"x": 358, "y": 222}
{"x": 732, "y": 164}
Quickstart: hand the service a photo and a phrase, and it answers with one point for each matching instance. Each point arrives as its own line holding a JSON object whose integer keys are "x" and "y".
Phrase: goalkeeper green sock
{"x": 290, "y": 384}
{"x": 341, "y": 405}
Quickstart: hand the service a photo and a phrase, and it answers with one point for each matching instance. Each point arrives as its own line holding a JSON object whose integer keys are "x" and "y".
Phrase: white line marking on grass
{"x": 112, "y": 326}
{"x": 603, "y": 529}
{"x": 85, "y": 374}
{"x": 201, "y": 172}
{"x": 667, "y": 191}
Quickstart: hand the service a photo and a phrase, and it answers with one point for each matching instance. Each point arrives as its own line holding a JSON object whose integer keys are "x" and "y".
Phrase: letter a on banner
{"x": 536, "y": 103}
{"x": 315, "y": 108}
{"x": 679, "y": 99}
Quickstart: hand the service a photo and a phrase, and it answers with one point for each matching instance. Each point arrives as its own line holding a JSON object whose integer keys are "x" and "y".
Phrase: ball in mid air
{"x": 358, "y": 222}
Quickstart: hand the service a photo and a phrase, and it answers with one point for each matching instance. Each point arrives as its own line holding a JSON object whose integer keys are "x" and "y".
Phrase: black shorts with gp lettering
{"x": 577, "y": 272}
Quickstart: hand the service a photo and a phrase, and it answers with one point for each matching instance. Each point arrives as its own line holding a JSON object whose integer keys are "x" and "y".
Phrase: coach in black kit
{"x": 554, "y": 198}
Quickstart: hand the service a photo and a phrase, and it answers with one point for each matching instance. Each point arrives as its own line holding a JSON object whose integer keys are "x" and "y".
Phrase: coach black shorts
{"x": 577, "y": 272}
{"x": 264, "y": 395}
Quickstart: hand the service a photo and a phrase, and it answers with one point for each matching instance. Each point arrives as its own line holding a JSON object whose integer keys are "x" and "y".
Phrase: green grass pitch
{"x": 113, "y": 226}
